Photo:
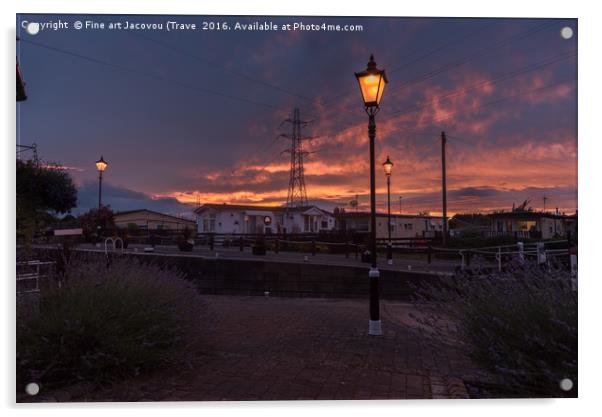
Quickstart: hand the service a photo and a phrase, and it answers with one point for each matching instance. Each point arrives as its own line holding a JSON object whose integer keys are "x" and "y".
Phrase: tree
{"x": 524, "y": 206}
{"x": 93, "y": 218}
{"x": 41, "y": 190}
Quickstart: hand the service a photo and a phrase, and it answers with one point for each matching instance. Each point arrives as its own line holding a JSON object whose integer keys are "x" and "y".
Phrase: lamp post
{"x": 101, "y": 166}
{"x": 372, "y": 83}
{"x": 388, "y": 167}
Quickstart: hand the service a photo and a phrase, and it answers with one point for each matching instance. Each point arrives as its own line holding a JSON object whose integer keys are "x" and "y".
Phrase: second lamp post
{"x": 388, "y": 166}
{"x": 372, "y": 84}
{"x": 101, "y": 165}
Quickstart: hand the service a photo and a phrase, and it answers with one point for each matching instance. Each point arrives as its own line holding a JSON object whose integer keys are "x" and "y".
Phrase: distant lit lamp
{"x": 388, "y": 167}
{"x": 101, "y": 166}
{"x": 372, "y": 83}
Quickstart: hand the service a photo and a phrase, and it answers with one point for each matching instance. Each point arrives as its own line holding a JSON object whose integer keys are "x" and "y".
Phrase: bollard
{"x": 429, "y": 251}
{"x": 242, "y": 243}
{"x": 313, "y": 247}
{"x": 389, "y": 254}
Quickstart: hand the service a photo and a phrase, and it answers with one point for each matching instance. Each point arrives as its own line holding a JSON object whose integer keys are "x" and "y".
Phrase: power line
{"x": 480, "y": 52}
{"x": 487, "y": 104}
{"x": 463, "y": 90}
{"x": 501, "y": 77}
{"x": 289, "y": 92}
{"x": 152, "y": 76}
{"x": 209, "y": 62}
{"x": 421, "y": 57}
{"x": 494, "y": 102}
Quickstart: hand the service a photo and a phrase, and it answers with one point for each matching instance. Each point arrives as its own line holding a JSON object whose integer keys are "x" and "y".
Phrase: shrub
{"x": 519, "y": 326}
{"x": 107, "y": 322}
{"x": 185, "y": 240}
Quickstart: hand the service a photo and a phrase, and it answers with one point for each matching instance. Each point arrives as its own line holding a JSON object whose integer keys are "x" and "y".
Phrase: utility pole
{"x": 444, "y": 188}
{"x": 399, "y": 204}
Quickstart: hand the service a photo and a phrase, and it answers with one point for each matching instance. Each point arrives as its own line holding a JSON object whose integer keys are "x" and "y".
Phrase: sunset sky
{"x": 184, "y": 114}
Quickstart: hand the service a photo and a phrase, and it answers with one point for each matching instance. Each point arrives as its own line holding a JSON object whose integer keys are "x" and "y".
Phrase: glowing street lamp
{"x": 101, "y": 166}
{"x": 372, "y": 83}
{"x": 388, "y": 167}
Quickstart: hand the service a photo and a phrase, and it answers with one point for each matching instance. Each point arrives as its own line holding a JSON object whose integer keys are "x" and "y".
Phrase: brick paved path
{"x": 300, "y": 349}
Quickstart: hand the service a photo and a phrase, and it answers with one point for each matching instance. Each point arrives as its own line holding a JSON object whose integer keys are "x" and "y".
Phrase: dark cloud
{"x": 121, "y": 199}
{"x": 474, "y": 192}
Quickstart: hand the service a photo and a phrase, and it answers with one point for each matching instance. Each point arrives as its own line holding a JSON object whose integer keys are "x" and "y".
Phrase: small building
{"x": 402, "y": 225}
{"x": 532, "y": 224}
{"x": 232, "y": 218}
{"x": 145, "y": 219}
{"x": 462, "y": 225}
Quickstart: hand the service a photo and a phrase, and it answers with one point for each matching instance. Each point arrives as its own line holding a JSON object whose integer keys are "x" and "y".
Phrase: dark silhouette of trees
{"x": 41, "y": 192}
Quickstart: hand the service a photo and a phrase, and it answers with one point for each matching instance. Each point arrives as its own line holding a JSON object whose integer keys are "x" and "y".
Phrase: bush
{"x": 519, "y": 326}
{"x": 106, "y": 322}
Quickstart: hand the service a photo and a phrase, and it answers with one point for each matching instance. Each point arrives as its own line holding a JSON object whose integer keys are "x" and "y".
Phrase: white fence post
{"x": 521, "y": 251}
{"x": 499, "y": 259}
{"x": 573, "y": 257}
{"x": 541, "y": 253}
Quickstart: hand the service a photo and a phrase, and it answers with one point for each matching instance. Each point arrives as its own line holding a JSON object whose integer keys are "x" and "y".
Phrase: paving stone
{"x": 287, "y": 349}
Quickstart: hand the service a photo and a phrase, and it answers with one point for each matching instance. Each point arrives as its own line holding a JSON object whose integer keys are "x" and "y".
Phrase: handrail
{"x": 113, "y": 244}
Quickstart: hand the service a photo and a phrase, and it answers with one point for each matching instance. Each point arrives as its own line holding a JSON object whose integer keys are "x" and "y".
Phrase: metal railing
{"x": 29, "y": 274}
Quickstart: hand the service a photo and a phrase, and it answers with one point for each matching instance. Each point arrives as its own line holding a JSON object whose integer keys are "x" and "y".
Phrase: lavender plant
{"x": 519, "y": 325}
{"x": 100, "y": 322}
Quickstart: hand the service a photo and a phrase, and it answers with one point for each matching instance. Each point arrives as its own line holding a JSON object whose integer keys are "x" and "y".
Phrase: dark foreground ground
{"x": 261, "y": 348}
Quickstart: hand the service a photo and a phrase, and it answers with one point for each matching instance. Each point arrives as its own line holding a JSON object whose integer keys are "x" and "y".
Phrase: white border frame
{"x": 590, "y": 198}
